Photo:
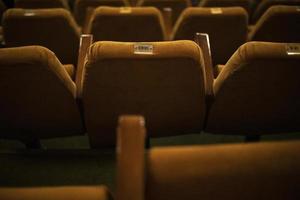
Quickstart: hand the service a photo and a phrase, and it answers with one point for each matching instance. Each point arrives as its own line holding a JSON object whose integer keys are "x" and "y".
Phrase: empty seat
{"x": 127, "y": 24}
{"x": 177, "y": 6}
{"x": 37, "y": 96}
{"x": 53, "y": 28}
{"x": 56, "y": 193}
{"x": 257, "y": 92}
{"x": 81, "y": 7}
{"x": 278, "y": 24}
{"x": 164, "y": 81}
{"x": 226, "y": 27}
{"x": 265, "y": 170}
{"x": 246, "y": 4}
{"x": 41, "y": 4}
{"x": 264, "y": 5}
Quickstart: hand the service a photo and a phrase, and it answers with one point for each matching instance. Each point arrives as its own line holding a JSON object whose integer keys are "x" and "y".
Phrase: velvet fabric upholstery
{"x": 33, "y": 4}
{"x": 177, "y": 6}
{"x": 166, "y": 86}
{"x": 56, "y": 193}
{"x": 38, "y": 95}
{"x": 264, "y": 5}
{"x": 246, "y": 4}
{"x": 81, "y": 6}
{"x": 229, "y": 172}
{"x": 278, "y": 24}
{"x": 257, "y": 92}
{"x": 226, "y": 27}
{"x": 126, "y": 24}
{"x": 53, "y": 28}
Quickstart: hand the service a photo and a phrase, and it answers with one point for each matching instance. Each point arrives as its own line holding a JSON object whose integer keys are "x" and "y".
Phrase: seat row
{"x": 269, "y": 170}
{"x": 227, "y": 28}
{"x": 169, "y": 83}
{"x": 255, "y": 8}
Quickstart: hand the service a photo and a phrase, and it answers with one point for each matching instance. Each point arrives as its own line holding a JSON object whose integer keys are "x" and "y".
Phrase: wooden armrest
{"x": 202, "y": 39}
{"x": 85, "y": 42}
{"x": 130, "y": 158}
{"x": 57, "y": 193}
{"x": 220, "y": 68}
{"x": 167, "y": 15}
{"x": 88, "y": 17}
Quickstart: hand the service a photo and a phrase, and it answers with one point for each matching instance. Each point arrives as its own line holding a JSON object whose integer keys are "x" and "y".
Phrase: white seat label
{"x": 143, "y": 49}
{"x": 216, "y": 11}
{"x": 29, "y": 13}
{"x": 293, "y": 49}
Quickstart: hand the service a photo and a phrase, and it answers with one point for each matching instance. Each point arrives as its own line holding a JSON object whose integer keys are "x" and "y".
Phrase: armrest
{"x": 130, "y": 158}
{"x": 202, "y": 39}
{"x": 57, "y": 193}
{"x": 167, "y": 15}
{"x": 70, "y": 69}
{"x": 85, "y": 43}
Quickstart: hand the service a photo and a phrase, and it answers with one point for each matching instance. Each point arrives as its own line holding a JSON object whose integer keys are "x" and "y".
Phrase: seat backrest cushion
{"x": 231, "y": 171}
{"x": 127, "y": 24}
{"x": 37, "y": 95}
{"x": 226, "y": 27}
{"x": 257, "y": 92}
{"x": 163, "y": 81}
{"x": 53, "y": 28}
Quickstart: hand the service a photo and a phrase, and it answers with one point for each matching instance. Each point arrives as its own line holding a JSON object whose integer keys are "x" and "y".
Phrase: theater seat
{"x": 81, "y": 7}
{"x": 264, "y": 5}
{"x": 38, "y": 97}
{"x": 56, "y": 193}
{"x": 246, "y": 4}
{"x": 41, "y": 4}
{"x": 278, "y": 24}
{"x": 52, "y": 28}
{"x": 127, "y": 24}
{"x": 164, "y": 81}
{"x": 226, "y": 27}
{"x": 257, "y": 91}
{"x": 265, "y": 170}
{"x": 177, "y": 6}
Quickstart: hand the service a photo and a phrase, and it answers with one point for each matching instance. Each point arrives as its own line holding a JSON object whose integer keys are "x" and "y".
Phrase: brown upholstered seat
{"x": 226, "y": 27}
{"x": 265, "y": 170}
{"x": 81, "y": 6}
{"x": 41, "y": 4}
{"x": 127, "y": 24}
{"x": 257, "y": 92}
{"x": 278, "y": 24}
{"x": 56, "y": 193}
{"x": 164, "y": 81}
{"x": 37, "y": 95}
{"x": 246, "y": 4}
{"x": 53, "y": 28}
{"x": 264, "y": 5}
{"x": 177, "y": 6}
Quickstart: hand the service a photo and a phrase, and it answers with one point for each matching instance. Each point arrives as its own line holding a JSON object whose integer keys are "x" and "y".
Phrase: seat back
{"x": 127, "y": 24}
{"x": 257, "y": 92}
{"x": 278, "y": 24}
{"x": 163, "y": 81}
{"x": 226, "y": 27}
{"x": 81, "y": 6}
{"x": 52, "y": 28}
{"x": 37, "y": 95}
{"x": 41, "y": 4}
{"x": 263, "y": 6}
{"x": 239, "y": 171}
{"x": 177, "y": 6}
{"x": 246, "y": 4}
